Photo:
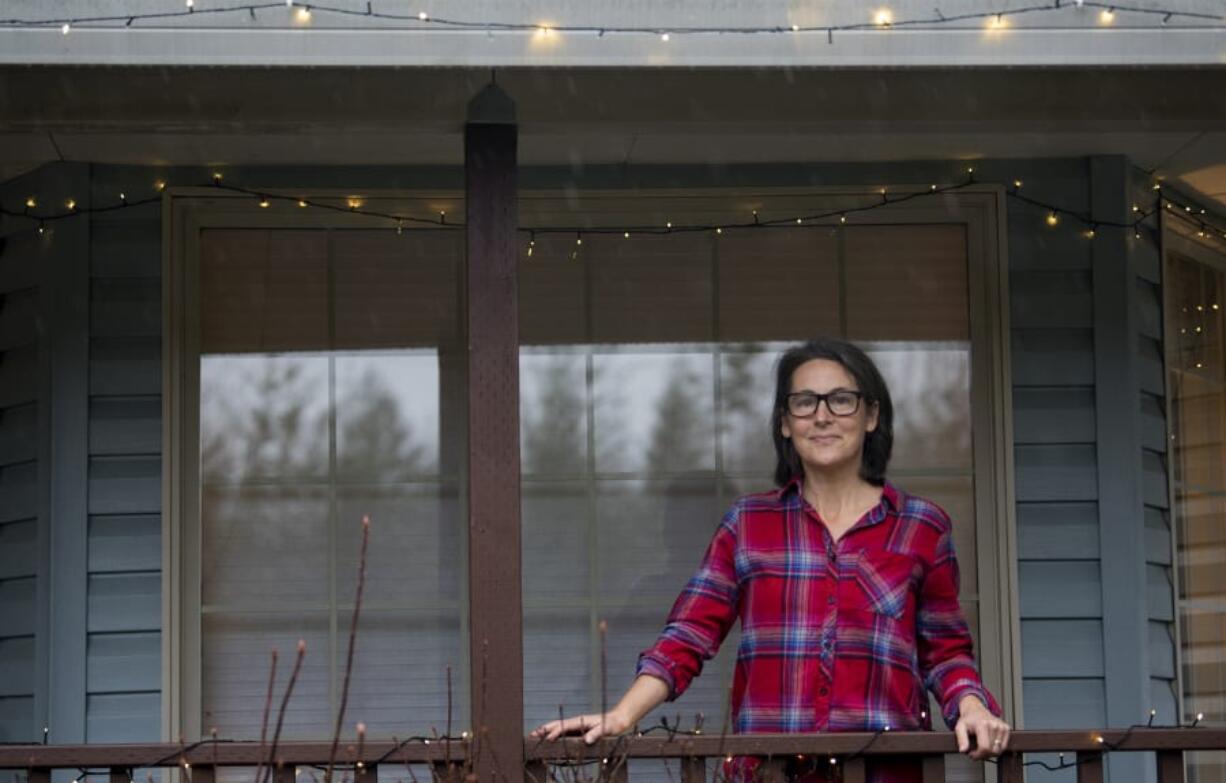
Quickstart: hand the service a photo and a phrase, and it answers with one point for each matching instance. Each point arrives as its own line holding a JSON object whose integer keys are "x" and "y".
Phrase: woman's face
{"x": 824, "y": 441}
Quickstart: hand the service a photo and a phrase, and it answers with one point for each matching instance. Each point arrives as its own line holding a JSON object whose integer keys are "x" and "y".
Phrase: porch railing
{"x": 607, "y": 761}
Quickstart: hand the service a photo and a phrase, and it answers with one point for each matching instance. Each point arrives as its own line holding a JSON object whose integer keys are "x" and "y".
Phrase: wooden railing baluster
{"x": 1009, "y": 768}
{"x": 536, "y": 772}
{"x": 1090, "y": 767}
{"x": 934, "y": 769}
{"x": 774, "y": 770}
{"x": 693, "y": 770}
{"x": 1170, "y": 766}
{"x": 855, "y": 771}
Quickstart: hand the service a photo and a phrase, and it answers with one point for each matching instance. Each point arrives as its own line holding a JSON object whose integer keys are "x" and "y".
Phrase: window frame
{"x": 979, "y": 208}
{"x": 1177, "y": 236}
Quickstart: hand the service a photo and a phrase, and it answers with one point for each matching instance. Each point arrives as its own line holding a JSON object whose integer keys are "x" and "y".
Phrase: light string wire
{"x": 824, "y": 219}
{"x": 672, "y": 730}
{"x": 424, "y": 22}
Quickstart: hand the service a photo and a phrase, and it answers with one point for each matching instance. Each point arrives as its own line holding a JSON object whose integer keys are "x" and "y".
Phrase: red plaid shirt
{"x": 835, "y": 636}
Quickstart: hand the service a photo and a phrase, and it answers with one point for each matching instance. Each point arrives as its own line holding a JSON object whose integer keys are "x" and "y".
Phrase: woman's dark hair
{"x": 877, "y": 444}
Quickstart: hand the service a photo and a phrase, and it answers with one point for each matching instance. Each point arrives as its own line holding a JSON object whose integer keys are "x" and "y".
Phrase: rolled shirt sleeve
{"x": 701, "y": 616}
{"x": 946, "y": 650}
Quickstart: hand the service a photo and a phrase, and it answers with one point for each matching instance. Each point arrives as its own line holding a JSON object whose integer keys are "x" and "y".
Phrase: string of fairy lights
{"x": 1053, "y": 215}
{"x": 385, "y": 15}
{"x": 618, "y": 754}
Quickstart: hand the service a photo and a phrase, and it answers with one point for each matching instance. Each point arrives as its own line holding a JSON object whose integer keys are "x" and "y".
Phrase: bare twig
{"x": 353, "y": 634}
{"x": 272, "y": 678}
{"x": 289, "y": 690}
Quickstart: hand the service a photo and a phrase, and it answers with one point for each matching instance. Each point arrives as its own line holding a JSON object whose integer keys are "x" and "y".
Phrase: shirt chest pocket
{"x": 886, "y": 581}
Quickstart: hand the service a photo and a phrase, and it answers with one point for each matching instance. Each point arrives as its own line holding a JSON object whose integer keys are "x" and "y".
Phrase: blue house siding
{"x": 124, "y": 674}
{"x": 1152, "y": 427}
{"x": 1055, "y": 458}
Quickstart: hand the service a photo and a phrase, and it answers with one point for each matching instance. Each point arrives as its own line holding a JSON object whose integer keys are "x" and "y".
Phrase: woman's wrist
{"x": 971, "y": 703}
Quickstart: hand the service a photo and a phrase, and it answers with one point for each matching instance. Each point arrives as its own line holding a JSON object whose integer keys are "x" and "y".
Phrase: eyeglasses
{"x": 840, "y": 402}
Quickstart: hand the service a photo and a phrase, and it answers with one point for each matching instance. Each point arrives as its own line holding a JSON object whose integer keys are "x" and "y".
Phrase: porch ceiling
{"x": 1171, "y": 120}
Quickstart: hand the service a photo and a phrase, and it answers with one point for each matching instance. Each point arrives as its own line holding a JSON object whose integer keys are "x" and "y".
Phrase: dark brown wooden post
{"x": 1170, "y": 766}
{"x": 934, "y": 769}
{"x": 855, "y": 771}
{"x": 1090, "y": 767}
{"x": 1010, "y": 767}
{"x": 495, "y": 613}
{"x": 694, "y": 769}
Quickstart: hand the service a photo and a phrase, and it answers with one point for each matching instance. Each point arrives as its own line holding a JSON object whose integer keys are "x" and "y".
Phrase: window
{"x": 323, "y": 361}
{"x": 645, "y": 397}
{"x": 1195, "y": 284}
{"x": 322, "y": 377}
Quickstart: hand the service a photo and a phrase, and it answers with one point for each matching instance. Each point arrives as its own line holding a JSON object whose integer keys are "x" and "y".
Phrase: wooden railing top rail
{"x": 222, "y": 753}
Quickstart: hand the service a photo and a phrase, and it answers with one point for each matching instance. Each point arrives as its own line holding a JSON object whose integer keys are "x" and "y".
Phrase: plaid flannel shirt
{"x": 835, "y": 636}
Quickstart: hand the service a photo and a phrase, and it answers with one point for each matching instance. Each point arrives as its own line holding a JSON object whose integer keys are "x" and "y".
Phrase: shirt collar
{"x": 890, "y": 498}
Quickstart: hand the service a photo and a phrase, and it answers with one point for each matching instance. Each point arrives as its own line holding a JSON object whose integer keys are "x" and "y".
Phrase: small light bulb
{"x": 669, "y": 224}
{"x": 883, "y": 17}
{"x": 71, "y": 204}
{"x": 264, "y": 203}
{"x": 159, "y": 185}
{"x": 842, "y": 218}
{"x": 302, "y": 203}
{"x": 353, "y": 202}
{"x": 423, "y": 16}
{"x": 1052, "y": 218}
{"x": 304, "y": 14}
{"x": 796, "y": 28}
{"x": 216, "y": 177}
{"x": 123, "y": 196}
{"x": 66, "y": 29}
{"x": 799, "y": 221}
{"x": 664, "y": 37}
{"x": 578, "y": 240}
{"x": 934, "y": 187}
{"x": 1107, "y": 16}
{"x": 1099, "y": 740}
{"x": 1017, "y": 183}
{"x": 720, "y": 231}
{"x": 998, "y": 21}
{"x": 31, "y": 203}
{"x": 1090, "y": 233}
{"x": 191, "y": 3}
{"x": 627, "y": 235}
{"x": 1136, "y": 208}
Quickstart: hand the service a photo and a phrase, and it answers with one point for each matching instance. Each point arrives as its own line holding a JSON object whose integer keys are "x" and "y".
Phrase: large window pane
{"x": 327, "y": 376}
{"x": 645, "y": 410}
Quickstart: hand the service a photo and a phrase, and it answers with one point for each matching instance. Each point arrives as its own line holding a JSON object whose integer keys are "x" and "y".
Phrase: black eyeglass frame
{"x": 787, "y": 402}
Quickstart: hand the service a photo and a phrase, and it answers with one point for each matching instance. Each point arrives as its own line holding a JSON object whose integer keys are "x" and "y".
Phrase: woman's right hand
{"x": 592, "y": 726}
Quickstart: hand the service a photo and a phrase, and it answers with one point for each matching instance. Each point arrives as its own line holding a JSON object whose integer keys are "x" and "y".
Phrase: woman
{"x": 846, "y": 587}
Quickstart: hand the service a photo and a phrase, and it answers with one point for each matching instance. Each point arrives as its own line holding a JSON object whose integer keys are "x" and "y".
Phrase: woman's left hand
{"x": 990, "y": 732}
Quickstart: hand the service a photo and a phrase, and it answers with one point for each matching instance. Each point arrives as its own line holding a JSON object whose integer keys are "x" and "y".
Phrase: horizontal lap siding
{"x": 19, "y": 481}
{"x": 123, "y": 651}
{"x": 1055, "y": 460}
{"x": 1159, "y": 575}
